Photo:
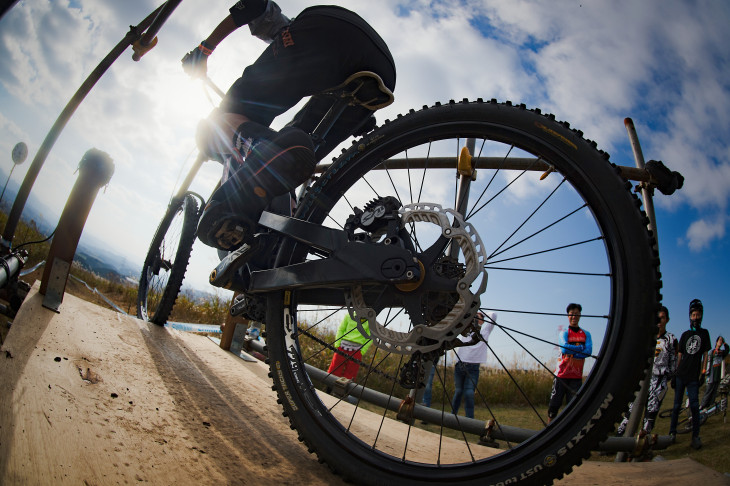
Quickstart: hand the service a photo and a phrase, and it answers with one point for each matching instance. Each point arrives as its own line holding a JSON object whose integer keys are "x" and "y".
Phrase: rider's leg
{"x": 694, "y": 406}
{"x": 625, "y": 422}
{"x": 459, "y": 378}
{"x": 317, "y": 52}
{"x": 657, "y": 390}
{"x": 678, "y": 397}
{"x": 556, "y": 399}
{"x": 470, "y": 384}
{"x": 274, "y": 166}
{"x": 429, "y": 385}
{"x": 709, "y": 397}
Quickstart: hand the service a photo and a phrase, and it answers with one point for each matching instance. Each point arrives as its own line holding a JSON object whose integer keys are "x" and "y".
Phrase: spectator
{"x": 471, "y": 355}
{"x": 575, "y": 346}
{"x": 351, "y": 345}
{"x": 717, "y": 356}
{"x": 665, "y": 364}
{"x": 691, "y": 361}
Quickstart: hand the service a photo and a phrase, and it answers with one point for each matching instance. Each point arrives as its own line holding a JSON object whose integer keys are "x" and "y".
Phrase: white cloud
{"x": 664, "y": 63}
{"x": 702, "y": 232}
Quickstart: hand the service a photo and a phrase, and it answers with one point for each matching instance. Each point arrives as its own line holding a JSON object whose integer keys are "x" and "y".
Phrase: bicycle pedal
{"x": 225, "y": 273}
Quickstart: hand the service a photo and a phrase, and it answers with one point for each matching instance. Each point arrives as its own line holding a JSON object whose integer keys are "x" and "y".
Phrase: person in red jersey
{"x": 575, "y": 346}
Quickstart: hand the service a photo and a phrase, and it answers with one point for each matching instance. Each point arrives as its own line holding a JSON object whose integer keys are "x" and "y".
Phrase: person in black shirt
{"x": 317, "y": 50}
{"x": 691, "y": 362}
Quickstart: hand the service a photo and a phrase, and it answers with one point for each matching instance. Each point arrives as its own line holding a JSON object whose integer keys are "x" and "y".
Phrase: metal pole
{"x": 507, "y": 433}
{"x": 637, "y": 409}
{"x": 512, "y": 163}
{"x": 95, "y": 170}
{"x": 6, "y": 182}
{"x": 55, "y": 131}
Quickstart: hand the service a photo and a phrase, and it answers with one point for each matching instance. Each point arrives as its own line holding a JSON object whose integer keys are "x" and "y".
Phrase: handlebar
{"x": 213, "y": 86}
{"x": 149, "y": 39}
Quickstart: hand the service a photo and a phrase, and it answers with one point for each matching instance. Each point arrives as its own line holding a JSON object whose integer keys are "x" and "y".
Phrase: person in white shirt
{"x": 469, "y": 357}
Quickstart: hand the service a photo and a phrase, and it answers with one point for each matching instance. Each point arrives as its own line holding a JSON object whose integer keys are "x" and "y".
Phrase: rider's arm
{"x": 565, "y": 347}
{"x": 259, "y": 14}
{"x": 672, "y": 350}
{"x": 587, "y": 347}
{"x": 244, "y": 11}
{"x": 269, "y": 23}
{"x": 487, "y": 329}
{"x": 222, "y": 31}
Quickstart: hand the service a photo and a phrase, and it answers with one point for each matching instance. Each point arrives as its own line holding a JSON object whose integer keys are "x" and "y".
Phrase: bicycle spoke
{"x": 562, "y": 247}
{"x": 506, "y": 238}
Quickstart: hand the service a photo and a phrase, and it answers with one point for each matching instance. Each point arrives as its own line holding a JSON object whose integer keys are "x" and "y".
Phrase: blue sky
{"x": 663, "y": 63}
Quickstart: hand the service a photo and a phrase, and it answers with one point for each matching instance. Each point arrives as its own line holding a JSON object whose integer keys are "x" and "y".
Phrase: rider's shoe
{"x": 223, "y": 227}
{"x": 273, "y": 167}
{"x": 696, "y": 443}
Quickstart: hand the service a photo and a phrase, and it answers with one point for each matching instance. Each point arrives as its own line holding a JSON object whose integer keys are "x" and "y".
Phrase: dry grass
{"x": 520, "y": 388}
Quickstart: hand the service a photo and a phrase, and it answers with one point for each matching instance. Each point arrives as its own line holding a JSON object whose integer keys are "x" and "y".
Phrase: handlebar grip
{"x": 140, "y": 50}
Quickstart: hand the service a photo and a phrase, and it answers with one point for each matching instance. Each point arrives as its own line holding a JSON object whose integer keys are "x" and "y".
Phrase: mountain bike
{"x": 418, "y": 225}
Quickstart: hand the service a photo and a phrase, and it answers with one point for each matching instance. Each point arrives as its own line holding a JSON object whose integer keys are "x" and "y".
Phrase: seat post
{"x": 328, "y": 121}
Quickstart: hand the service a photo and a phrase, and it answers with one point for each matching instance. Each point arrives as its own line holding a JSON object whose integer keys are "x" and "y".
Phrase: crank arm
{"x": 354, "y": 263}
{"x": 314, "y": 235}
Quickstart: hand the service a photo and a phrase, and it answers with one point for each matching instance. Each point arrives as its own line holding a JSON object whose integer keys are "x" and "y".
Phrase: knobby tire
{"x": 167, "y": 261}
{"x": 622, "y": 318}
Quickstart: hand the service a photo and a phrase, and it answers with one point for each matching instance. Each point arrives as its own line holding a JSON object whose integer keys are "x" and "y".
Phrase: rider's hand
{"x": 195, "y": 62}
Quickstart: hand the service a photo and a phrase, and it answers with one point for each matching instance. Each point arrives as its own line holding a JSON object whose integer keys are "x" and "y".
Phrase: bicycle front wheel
{"x": 550, "y": 222}
{"x": 167, "y": 261}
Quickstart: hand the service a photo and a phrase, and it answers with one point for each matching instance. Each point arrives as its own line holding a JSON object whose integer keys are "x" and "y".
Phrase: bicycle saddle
{"x": 364, "y": 88}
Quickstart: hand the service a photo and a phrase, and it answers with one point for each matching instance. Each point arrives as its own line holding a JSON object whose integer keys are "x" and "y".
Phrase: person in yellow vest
{"x": 351, "y": 345}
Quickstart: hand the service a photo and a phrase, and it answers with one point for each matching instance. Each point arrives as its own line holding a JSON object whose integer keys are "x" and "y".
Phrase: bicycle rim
{"x": 166, "y": 262}
{"x": 575, "y": 236}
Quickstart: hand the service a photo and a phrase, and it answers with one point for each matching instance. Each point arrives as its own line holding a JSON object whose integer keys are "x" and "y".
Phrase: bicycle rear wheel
{"x": 167, "y": 261}
{"x": 576, "y": 236}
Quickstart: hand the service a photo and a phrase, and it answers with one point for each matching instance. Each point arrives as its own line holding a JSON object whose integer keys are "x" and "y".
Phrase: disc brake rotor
{"x": 428, "y": 337}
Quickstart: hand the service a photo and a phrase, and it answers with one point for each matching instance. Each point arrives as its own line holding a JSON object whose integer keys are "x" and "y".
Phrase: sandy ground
{"x": 92, "y": 397}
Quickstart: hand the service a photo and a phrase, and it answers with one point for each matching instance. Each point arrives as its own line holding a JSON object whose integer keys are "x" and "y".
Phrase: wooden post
{"x": 229, "y": 328}
{"x": 95, "y": 170}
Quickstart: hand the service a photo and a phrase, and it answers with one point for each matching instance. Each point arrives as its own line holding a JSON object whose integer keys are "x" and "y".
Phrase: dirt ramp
{"x": 659, "y": 473}
{"x": 90, "y": 396}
